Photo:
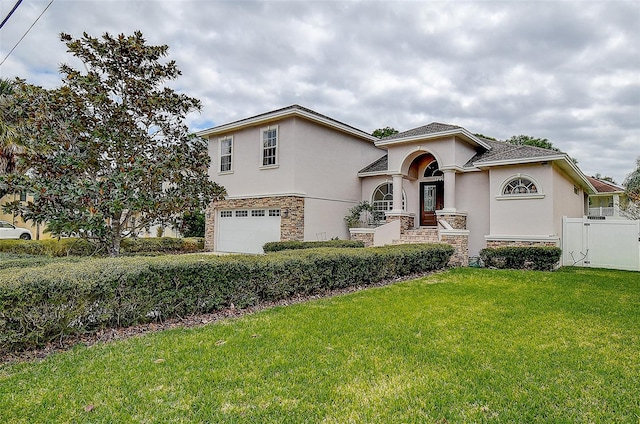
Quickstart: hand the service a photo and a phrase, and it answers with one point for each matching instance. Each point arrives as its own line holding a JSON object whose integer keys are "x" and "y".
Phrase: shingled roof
{"x": 503, "y": 151}
{"x": 603, "y": 186}
{"x": 293, "y": 110}
{"x": 499, "y": 151}
{"x": 379, "y": 165}
{"x": 432, "y": 128}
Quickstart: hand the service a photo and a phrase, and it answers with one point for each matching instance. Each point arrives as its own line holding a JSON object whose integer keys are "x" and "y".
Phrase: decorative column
{"x": 449, "y": 190}
{"x": 616, "y": 205}
{"x": 397, "y": 194}
{"x": 407, "y": 219}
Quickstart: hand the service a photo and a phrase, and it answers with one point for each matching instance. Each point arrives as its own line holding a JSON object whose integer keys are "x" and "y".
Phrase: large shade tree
{"x": 108, "y": 153}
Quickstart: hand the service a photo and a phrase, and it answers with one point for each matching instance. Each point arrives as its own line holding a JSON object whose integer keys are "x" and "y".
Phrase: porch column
{"x": 616, "y": 205}
{"x": 397, "y": 193}
{"x": 449, "y": 190}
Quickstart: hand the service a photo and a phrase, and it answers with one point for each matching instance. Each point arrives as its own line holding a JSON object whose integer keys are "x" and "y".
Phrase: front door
{"x": 431, "y": 200}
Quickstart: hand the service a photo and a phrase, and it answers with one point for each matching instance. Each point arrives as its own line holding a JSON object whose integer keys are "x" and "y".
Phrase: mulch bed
{"x": 111, "y": 334}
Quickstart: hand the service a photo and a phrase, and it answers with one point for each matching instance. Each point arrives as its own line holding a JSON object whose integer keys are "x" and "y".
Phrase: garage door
{"x": 246, "y": 230}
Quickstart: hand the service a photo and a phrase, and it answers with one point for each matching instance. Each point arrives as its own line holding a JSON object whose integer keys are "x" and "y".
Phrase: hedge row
{"x": 277, "y": 246}
{"x": 81, "y": 247}
{"x": 532, "y": 257}
{"x": 41, "y": 304}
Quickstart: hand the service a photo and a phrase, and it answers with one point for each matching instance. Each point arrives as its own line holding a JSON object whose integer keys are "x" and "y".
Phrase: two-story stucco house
{"x": 293, "y": 174}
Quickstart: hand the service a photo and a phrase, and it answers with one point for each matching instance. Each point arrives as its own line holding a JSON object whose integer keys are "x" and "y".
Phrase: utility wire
{"x": 25, "y": 34}
{"x": 15, "y": 6}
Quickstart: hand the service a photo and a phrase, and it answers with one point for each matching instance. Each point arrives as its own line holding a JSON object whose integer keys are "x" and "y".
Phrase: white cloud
{"x": 566, "y": 71}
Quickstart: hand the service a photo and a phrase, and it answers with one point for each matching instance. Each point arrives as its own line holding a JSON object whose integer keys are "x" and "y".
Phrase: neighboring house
{"x": 605, "y": 202}
{"x": 293, "y": 174}
{"x": 36, "y": 230}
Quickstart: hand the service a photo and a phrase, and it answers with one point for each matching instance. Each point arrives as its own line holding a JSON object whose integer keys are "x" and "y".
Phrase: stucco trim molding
{"x": 523, "y": 238}
{"x": 454, "y": 232}
{"x": 519, "y": 196}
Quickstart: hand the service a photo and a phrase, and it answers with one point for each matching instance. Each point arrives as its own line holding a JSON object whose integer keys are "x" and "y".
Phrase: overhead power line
{"x": 26, "y": 32}
{"x": 15, "y": 6}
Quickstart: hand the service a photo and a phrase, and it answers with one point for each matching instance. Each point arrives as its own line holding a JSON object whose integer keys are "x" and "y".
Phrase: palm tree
{"x": 9, "y": 147}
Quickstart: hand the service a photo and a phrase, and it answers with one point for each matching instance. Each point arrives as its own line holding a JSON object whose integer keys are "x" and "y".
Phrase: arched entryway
{"x": 431, "y": 180}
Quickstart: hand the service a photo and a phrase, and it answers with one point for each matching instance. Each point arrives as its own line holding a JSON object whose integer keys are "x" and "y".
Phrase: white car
{"x": 10, "y": 231}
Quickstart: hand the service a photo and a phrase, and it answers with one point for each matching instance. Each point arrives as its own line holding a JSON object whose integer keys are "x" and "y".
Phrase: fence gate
{"x": 611, "y": 244}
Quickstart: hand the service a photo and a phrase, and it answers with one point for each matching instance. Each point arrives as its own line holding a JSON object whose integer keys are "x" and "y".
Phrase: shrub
{"x": 49, "y": 247}
{"x": 82, "y": 247}
{"x": 277, "y": 246}
{"x": 161, "y": 245}
{"x": 44, "y": 303}
{"x": 522, "y": 257}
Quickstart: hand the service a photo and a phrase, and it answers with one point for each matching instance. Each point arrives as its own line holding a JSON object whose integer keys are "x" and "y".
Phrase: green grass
{"x": 467, "y": 345}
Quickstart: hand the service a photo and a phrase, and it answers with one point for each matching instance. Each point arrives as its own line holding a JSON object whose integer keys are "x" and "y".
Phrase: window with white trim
{"x": 242, "y": 214}
{"x": 226, "y": 214}
{"x": 225, "y": 150}
{"x": 433, "y": 170}
{"x": 269, "y": 146}
{"x": 257, "y": 212}
{"x": 382, "y": 199}
{"x": 519, "y": 185}
{"x": 274, "y": 212}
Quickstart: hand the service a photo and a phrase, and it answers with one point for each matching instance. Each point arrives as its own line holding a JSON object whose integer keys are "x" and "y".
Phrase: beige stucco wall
{"x": 324, "y": 219}
{"x": 327, "y": 162}
{"x": 569, "y": 199}
{"x": 315, "y": 162}
{"x": 248, "y": 178}
{"x": 448, "y": 151}
{"x": 522, "y": 216}
{"x": 472, "y": 197}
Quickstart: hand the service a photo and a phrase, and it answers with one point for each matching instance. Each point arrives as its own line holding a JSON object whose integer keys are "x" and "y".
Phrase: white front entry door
{"x": 246, "y": 230}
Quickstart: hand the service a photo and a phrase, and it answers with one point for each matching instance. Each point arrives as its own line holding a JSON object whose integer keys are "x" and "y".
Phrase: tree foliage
{"x": 108, "y": 152}
{"x": 604, "y": 178}
{"x": 384, "y": 132}
{"x": 193, "y": 224}
{"x": 632, "y": 183}
{"x": 9, "y": 146}
{"x": 526, "y": 140}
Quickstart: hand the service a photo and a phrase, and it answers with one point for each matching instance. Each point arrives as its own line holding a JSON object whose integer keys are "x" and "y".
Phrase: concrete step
{"x": 418, "y": 235}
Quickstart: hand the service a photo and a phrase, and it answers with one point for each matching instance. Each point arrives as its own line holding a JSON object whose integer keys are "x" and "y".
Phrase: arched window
{"x": 519, "y": 185}
{"x": 432, "y": 170}
{"x": 382, "y": 199}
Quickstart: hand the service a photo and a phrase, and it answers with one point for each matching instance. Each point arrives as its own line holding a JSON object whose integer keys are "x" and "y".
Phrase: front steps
{"x": 419, "y": 235}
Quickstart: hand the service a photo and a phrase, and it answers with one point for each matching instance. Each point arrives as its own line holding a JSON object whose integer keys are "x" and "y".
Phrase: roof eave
{"x": 563, "y": 159}
{"x": 374, "y": 173}
{"x": 453, "y": 132}
{"x": 285, "y": 113}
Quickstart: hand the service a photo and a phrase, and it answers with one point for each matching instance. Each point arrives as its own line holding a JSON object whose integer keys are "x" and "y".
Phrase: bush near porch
{"x": 541, "y": 258}
{"x": 45, "y": 303}
{"x": 277, "y": 246}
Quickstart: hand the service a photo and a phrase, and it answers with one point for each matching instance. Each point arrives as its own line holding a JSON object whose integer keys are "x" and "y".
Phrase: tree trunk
{"x": 116, "y": 237}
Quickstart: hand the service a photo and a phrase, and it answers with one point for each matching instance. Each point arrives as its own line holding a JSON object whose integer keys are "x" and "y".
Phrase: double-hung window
{"x": 225, "y": 146}
{"x": 269, "y": 146}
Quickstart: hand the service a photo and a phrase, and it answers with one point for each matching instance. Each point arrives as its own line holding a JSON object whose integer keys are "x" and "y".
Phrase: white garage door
{"x": 246, "y": 230}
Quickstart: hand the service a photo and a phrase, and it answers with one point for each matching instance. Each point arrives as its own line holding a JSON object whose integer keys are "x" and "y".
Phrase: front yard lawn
{"x": 467, "y": 345}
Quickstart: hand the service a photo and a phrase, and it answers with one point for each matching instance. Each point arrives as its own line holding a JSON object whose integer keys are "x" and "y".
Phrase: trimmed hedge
{"x": 542, "y": 258}
{"x": 45, "y": 303}
{"x": 277, "y": 246}
{"x": 81, "y": 247}
{"x": 162, "y": 245}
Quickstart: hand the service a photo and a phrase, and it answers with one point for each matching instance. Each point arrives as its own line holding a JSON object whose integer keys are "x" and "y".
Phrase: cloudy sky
{"x": 568, "y": 71}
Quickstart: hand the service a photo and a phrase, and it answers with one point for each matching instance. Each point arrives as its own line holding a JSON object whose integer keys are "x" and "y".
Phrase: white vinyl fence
{"x": 611, "y": 244}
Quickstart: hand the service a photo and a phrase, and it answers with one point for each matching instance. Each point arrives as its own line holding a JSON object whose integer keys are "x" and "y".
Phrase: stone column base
{"x": 407, "y": 220}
